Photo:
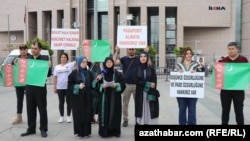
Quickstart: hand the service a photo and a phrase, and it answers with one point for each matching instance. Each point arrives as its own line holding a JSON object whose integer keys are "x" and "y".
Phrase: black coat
{"x": 140, "y": 85}
{"x": 81, "y": 103}
{"x": 110, "y": 110}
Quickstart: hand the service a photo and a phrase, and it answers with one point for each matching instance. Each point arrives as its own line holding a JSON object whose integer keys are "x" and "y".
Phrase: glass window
{"x": 153, "y": 27}
{"x": 103, "y": 26}
{"x": 170, "y": 49}
{"x": 170, "y": 34}
{"x": 170, "y": 20}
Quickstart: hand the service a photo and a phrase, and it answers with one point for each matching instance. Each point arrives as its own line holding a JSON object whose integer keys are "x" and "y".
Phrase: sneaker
{"x": 60, "y": 120}
{"x": 68, "y": 119}
{"x": 125, "y": 123}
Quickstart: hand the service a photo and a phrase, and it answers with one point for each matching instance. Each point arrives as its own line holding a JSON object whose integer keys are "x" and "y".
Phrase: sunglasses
{"x": 131, "y": 49}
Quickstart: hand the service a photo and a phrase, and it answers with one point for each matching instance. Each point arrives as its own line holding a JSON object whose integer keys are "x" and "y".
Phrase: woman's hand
{"x": 82, "y": 85}
{"x": 99, "y": 77}
{"x": 55, "y": 91}
{"x": 152, "y": 85}
{"x": 113, "y": 85}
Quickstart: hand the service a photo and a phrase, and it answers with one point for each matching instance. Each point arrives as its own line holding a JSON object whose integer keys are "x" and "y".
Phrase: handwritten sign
{"x": 64, "y": 39}
{"x": 187, "y": 84}
{"x": 132, "y": 36}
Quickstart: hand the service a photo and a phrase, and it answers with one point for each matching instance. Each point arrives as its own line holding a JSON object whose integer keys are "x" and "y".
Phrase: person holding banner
{"x": 36, "y": 97}
{"x": 146, "y": 94}
{"x": 187, "y": 105}
{"x": 61, "y": 73}
{"x": 110, "y": 112}
{"x": 80, "y": 86}
{"x": 20, "y": 90}
{"x": 237, "y": 96}
{"x": 201, "y": 67}
{"x": 129, "y": 63}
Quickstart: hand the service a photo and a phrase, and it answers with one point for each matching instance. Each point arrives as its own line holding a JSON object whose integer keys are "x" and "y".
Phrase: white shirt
{"x": 62, "y": 72}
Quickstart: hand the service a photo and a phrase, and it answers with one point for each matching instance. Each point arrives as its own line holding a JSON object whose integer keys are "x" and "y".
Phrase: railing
{"x": 161, "y": 72}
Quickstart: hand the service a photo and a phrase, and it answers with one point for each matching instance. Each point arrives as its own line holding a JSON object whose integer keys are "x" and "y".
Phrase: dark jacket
{"x": 82, "y": 101}
{"x": 141, "y": 85}
{"x": 110, "y": 112}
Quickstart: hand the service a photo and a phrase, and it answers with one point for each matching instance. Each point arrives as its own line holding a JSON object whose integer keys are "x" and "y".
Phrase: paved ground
{"x": 208, "y": 113}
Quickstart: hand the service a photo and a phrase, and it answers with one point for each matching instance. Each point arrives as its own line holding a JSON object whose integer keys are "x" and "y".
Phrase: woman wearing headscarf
{"x": 146, "y": 94}
{"x": 79, "y": 83}
{"x": 110, "y": 109}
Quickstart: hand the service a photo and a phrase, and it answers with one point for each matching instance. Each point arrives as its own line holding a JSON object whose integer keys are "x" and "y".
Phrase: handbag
{"x": 157, "y": 93}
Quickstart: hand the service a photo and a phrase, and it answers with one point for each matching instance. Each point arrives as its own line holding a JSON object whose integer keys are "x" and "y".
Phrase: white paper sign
{"x": 64, "y": 39}
{"x": 132, "y": 36}
{"x": 187, "y": 84}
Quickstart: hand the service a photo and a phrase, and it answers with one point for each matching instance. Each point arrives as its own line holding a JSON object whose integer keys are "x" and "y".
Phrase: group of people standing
{"x": 187, "y": 106}
{"x": 102, "y": 90}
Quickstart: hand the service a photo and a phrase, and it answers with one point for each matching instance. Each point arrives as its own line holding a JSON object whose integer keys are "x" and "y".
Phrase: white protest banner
{"x": 64, "y": 39}
{"x": 187, "y": 84}
{"x": 132, "y": 36}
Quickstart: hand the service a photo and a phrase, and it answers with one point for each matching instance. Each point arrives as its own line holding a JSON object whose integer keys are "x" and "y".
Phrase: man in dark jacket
{"x": 36, "y": 97}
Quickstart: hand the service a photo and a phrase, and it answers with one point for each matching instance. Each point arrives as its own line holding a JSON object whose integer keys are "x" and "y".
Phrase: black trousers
{"x": 36, "y": 97}
{"x": 62, "y": 95}
{"x": 237, "y": 97}
{"x": 20, "y": 95}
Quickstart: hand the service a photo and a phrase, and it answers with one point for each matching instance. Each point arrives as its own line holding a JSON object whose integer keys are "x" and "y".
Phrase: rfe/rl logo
{"x": 216, "y": 7}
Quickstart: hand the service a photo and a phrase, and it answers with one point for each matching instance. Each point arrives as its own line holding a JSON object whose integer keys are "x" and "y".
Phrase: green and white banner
{"x": 95, "y": 50}
{"x": 230, "y": 76}
{"x": 25, "y": 71}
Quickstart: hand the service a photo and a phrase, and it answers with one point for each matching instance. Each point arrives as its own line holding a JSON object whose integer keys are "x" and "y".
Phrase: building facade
{"x": 245, "y": 27}
{"x": 206, "y": 26}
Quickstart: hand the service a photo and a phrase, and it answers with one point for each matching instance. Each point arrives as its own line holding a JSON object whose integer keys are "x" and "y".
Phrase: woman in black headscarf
{"x": 79, "y": 84}
{"x": 110, "y": 111}
{"x": 146, "y": 95}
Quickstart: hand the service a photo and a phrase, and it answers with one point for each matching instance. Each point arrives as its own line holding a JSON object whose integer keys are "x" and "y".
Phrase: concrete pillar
{"x": 180, "y": 35}
{"x": 123, "y": 20}
{"x": 162, "y": 36}
{"x": 39, "y": 24}
{"x": 111, "y": 25}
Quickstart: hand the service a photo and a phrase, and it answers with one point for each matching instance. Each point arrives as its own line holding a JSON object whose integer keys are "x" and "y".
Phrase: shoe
{"x": 44, "y": 134}
{"x": 79, "y": 137}
{"x": 18, "y": 119}
{"x": 68, "y": 119}
{"x": 60, "y": 120}
{"x": 88, "y": 136}
{"x": 27, "y": 133}
{"x": 125, "y": 123}
{"x": 118, "y": 135}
